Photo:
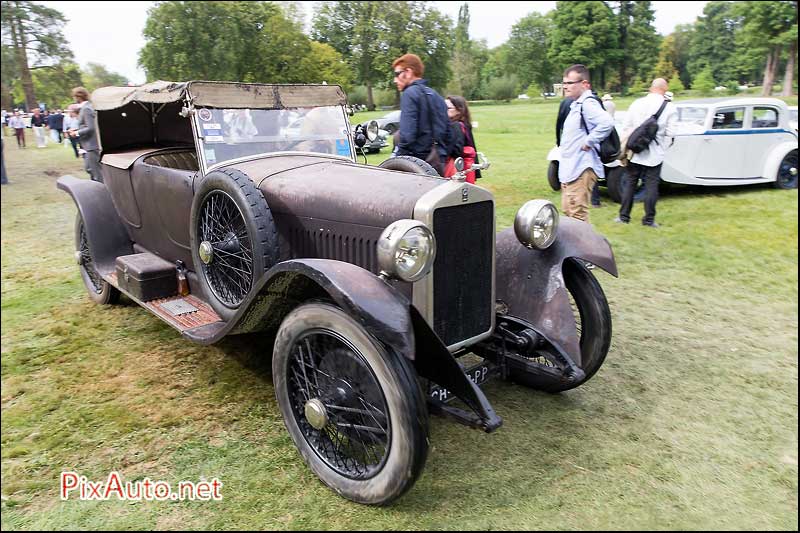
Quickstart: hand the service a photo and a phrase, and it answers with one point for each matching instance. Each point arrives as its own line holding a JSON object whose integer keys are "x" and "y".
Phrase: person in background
{"x": 608, "y": 103}
{"x": 424, "y": 127}
{"x": 37, "y": 123}
{"x": 580, "y": 166}
{"x": 646, "y": 165}
{"x": 18, "y": 125}
{"x": 462, "y": 143}
{"x": 71, "y": 123}
{"x": 86, "y": 134}
{"x": 55, "y": 123}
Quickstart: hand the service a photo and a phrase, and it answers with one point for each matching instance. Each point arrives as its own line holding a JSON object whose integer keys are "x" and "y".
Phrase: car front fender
{"x": 776, "y": 155}
{"x": 531, "y": 282}
{"x": 105, "y": 232}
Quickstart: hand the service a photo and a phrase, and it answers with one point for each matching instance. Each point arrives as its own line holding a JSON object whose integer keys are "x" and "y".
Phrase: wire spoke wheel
{"x": 787, "y": 172}
{"x": 348, "y": 425}
{"x": 228, "y": 248}
{"x": 87, "y": 263}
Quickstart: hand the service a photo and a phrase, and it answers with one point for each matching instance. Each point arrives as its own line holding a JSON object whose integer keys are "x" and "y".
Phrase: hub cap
{"x": 316, "y": 414}
{"x": 206, "y": 252}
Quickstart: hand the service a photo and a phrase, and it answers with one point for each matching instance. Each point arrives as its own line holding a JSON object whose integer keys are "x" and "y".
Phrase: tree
{"x": 466, "y": 74}
{"x": 529, "y": 52}
{"x": 96, "y": 75}
{"x": 504, "y": 88}
{"x": 326, "y": 64}
{"x": 768, "y": 28}
{"x": 675, "y": 83}
{"x": 704, "y": 81}
{"x": 350, "y": 28}
{"x": 638, "y": 40}
{"x": 33, "y": 32}
{"x": 713, "y": 43}
{"x": 240, "y": 41}
{"x": 586, "y": 33}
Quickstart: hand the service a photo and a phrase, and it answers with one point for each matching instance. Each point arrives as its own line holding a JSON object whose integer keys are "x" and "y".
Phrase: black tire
{"x": 552, "y": 176}
{"x": 593, "y": 319}
{"x": 100, "y": 291}
{"x": 231, "y": 215}
{"x": 784, "y": 178}
{"x": 614, "y": 183}
{"x": 370, "y": 455}
{"x": 407, "y": 163}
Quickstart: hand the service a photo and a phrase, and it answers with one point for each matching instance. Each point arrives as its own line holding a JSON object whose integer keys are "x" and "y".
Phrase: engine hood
{"x": 336, "y": 190}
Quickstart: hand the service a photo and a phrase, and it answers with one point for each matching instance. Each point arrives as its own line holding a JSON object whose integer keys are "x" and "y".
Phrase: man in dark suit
{"x": 86, "y": 134}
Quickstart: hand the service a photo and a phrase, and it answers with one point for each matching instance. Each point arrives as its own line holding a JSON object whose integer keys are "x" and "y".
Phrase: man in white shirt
{"x": 646, "y": 165}
{"x": 585, "y": 127}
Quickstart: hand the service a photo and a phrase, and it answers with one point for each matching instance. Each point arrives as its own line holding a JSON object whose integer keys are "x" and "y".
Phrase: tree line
{"x": 352, "y": 43}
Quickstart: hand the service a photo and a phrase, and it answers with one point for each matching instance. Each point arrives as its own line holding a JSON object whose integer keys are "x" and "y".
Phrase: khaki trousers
{"x": 575, "y": 195}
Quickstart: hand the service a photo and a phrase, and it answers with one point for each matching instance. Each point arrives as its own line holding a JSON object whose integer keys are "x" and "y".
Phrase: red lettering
{"x": 217, "y": 486}
{"x": 69, "y": 480}
{"x": 113, "y": 484}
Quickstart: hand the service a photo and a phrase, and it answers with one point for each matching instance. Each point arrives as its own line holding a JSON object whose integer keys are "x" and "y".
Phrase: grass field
{"x": 690, "y": 424}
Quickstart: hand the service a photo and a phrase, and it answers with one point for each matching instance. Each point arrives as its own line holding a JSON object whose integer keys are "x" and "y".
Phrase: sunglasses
{"x": 572, "y": 82}
{"x": 398, "y": 72}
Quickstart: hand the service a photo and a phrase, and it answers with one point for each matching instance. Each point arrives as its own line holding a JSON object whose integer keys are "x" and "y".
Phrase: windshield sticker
{"x": 204, "y": 114}
{"x": 214, "y": 139}
{"x": 211, "y": 156}
{"x": 343, "y": 147}
{"x": 211, "y": 126}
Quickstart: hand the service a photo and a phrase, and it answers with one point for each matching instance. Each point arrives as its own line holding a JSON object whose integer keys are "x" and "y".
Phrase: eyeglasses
{"x": 398, "y": 72}
{"x": 572, "y": 82}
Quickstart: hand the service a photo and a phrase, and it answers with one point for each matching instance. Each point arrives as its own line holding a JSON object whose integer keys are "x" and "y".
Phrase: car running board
{"x": 190, "y": 315}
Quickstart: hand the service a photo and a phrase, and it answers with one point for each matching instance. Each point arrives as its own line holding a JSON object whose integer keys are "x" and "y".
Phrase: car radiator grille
{"x": 462, "y": 294}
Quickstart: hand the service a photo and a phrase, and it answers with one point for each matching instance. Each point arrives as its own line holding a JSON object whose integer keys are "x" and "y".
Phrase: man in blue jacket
{"x": 424, "y": 126}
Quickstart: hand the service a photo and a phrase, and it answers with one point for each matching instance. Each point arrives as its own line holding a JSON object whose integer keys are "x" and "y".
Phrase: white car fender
{"x": 776, "y": 155}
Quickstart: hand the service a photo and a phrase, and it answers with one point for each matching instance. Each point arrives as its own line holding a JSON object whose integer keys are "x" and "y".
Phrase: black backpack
{"x": 610, "y": 147}
{"x": 641, "y": 137}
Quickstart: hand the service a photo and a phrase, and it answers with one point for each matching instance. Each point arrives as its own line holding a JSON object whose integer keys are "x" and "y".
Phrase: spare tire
{"x": 233, "y": 238}
{"x": 407, "y": 163}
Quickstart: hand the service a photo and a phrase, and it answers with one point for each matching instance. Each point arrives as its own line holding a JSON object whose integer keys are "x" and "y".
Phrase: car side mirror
{"x": 459, "y": 164}
{"x": 360, "y": 139}
{"x": 372, "y": 130}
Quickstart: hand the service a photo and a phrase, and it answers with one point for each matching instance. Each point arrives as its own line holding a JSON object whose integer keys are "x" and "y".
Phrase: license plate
{"x": 478, "y": 374}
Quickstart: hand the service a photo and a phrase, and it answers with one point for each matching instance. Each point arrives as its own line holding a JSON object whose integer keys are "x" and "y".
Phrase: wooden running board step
{"x": 181, "y": 312}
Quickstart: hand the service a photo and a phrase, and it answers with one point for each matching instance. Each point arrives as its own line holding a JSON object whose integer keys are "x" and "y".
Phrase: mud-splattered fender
{"x": 531, "y": 282}
{"x": 104, "y": 229}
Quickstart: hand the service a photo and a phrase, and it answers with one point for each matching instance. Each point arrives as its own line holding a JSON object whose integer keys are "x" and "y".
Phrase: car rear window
{"x": 765, "y": 117}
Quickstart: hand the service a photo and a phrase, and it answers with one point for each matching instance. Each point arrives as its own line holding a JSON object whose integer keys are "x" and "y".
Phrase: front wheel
{"x": 353, "y": 408}
{"x": 552, "y": 176}
{"x": 787, "y": 172}
{"x": 593, "y": 322}
{"x": 100, "y": 291}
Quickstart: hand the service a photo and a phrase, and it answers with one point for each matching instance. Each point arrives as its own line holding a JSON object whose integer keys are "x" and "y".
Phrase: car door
{"x": 765, "y": 133}
{"x": 723, "y": 147}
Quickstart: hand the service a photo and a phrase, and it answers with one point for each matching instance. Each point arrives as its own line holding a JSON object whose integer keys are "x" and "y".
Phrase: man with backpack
{"x": 650, "y": 120}
{"x": 424, "y": 127}
{"x": 585, "y": 129}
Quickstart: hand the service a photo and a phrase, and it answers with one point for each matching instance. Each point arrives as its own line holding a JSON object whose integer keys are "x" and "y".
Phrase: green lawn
{"x": 691, "y": 423}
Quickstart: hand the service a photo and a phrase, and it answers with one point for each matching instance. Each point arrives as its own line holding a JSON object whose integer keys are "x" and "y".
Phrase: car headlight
{"x": 406, "y": 250}
{"x": 536, "y": 224}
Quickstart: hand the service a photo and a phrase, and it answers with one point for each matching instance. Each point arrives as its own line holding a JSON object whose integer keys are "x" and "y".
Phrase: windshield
{"x": 692, "y": 115}
{"x": 225, "y": 134}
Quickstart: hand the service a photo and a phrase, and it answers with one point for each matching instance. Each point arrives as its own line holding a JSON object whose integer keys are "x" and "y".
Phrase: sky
{"x": 110, "y": 33}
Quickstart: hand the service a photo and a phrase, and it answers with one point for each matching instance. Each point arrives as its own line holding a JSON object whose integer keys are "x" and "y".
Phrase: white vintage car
{"x": 723, "y": 141}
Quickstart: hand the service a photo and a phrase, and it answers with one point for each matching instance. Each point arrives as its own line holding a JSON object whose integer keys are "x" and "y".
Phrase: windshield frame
{"x": 201, "y": 146}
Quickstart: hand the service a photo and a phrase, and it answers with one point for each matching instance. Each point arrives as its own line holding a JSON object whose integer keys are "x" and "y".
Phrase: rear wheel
{"x": 614, "y": 183}
{"x": 787, "y": 172}
{"x": 353, "y": 408}
{"x": 593, "y": 322}
{"x": 100, "y": 291}
{"x": 552, "y": 176}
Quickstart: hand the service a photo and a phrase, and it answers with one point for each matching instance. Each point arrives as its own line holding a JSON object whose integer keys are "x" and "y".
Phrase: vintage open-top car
{"x": 222, "y": 215}
{"x": 718, "y": 142}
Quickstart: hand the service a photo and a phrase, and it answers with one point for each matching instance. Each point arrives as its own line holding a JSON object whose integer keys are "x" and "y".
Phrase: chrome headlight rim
{"x": 390, "y": 246}
{"x": 536, "y": 224}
